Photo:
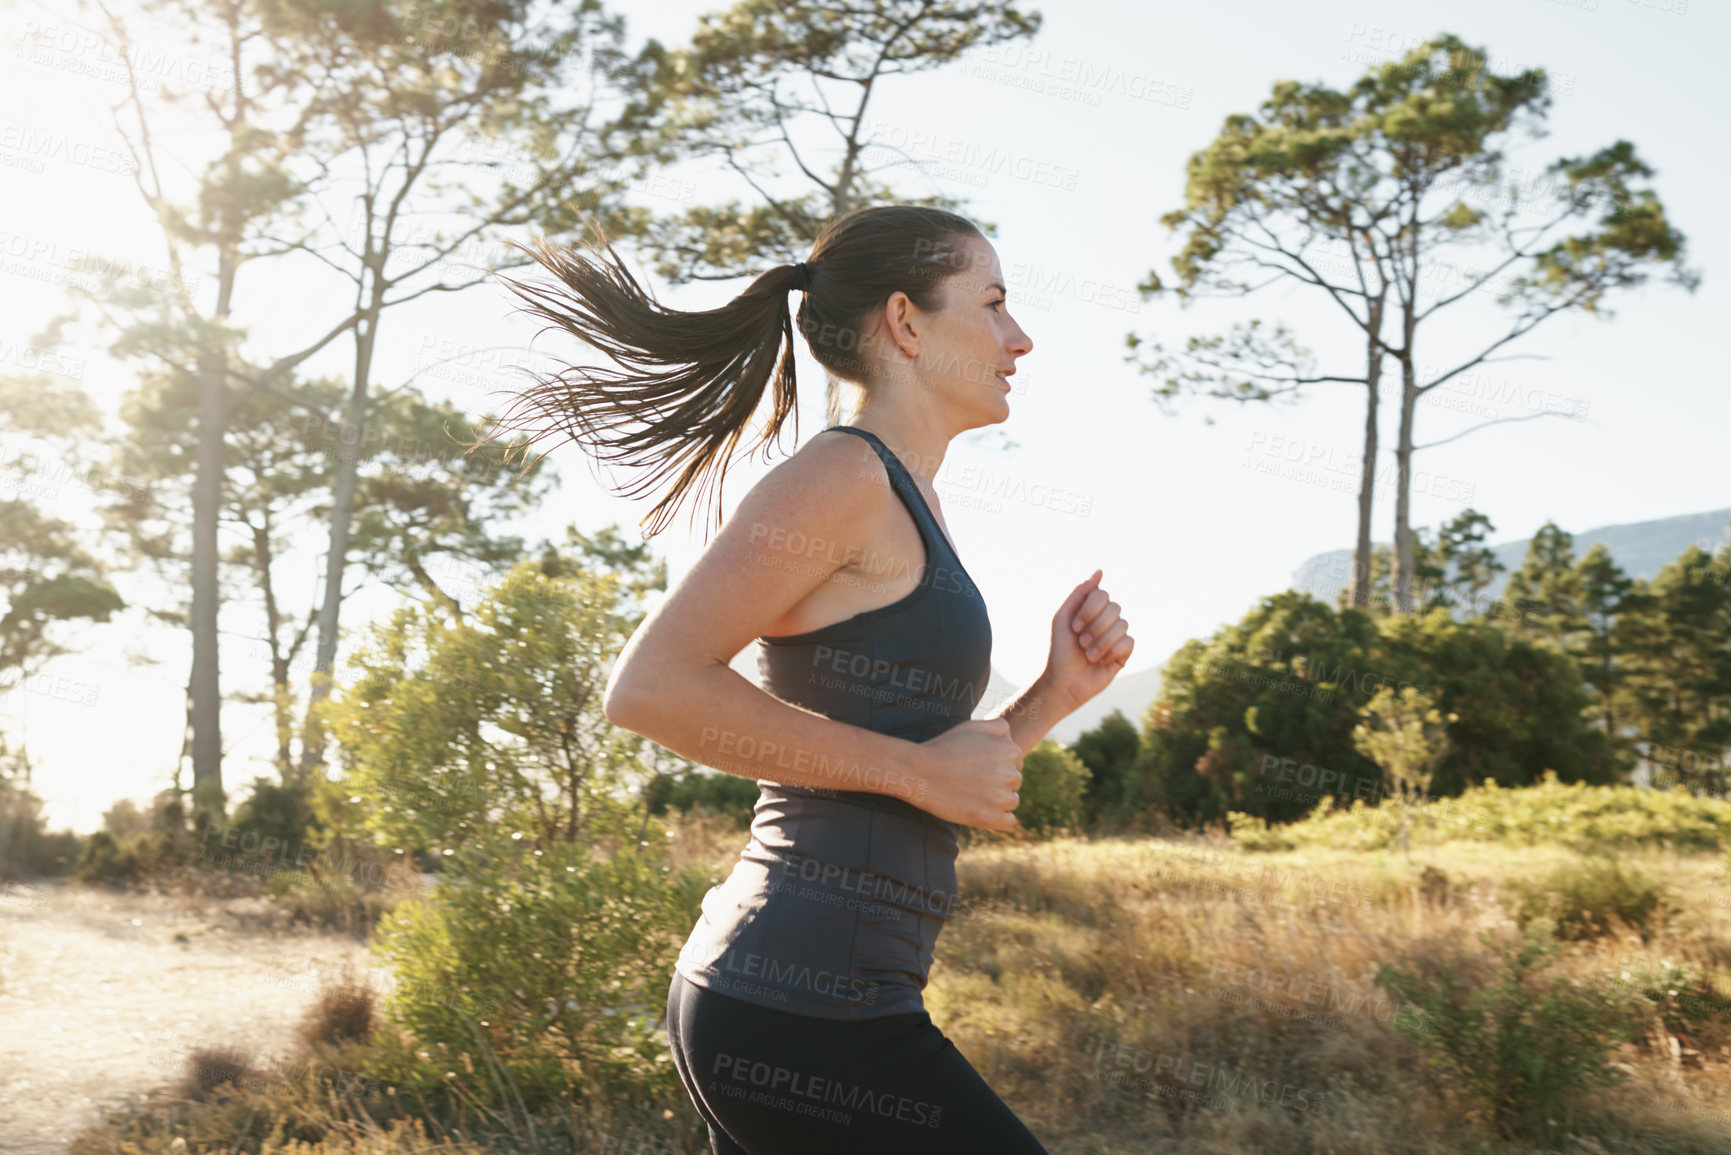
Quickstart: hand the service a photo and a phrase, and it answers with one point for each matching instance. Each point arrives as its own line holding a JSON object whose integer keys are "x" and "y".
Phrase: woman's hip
{"x": 778, "y": 1081}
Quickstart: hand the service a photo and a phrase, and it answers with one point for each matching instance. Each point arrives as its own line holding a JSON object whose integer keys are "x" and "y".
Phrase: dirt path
{"x": 100, "y": 1002}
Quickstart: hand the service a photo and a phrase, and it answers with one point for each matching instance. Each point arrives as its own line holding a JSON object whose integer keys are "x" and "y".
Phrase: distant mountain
{"x": 1640, "y": 549}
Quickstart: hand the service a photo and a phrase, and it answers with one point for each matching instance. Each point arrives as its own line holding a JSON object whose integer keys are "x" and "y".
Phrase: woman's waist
{"x": 853, "y": 829}
{"x": 786, "y": 806}
{"x": 851, "y": 854}
{"x": 873, "y": 892}
{"x": 755, "y": 927}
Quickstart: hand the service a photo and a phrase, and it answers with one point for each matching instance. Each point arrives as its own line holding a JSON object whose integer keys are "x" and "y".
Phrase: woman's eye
{"x": 997, "y": 302}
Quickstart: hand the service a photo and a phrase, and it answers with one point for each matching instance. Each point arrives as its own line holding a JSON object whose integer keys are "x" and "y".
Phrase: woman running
{"x": 796, "y": 1014}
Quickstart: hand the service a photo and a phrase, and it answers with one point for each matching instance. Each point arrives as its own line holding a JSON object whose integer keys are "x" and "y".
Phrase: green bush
{"x": 1680, "y": 998}
{"x": 1285, "y": 683}
{"x": 1582, "y": 817}
{"x": 538, "y": 974}
{"x": 1054, "y": 782}
{"x": 1587, "y": 899}
{"x": 279, "y": 812}
{"x": 105, "y": 859}
{"x": 454, "y": 728}
{"x": 717, "y": 792}
{"x": 1523, "y": 1049}
{"x": 1117, "y": 788}
{"x": 152, "y": 855}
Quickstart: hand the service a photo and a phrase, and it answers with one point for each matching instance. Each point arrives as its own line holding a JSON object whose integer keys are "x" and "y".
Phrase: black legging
{"x": 771, "y": 1082}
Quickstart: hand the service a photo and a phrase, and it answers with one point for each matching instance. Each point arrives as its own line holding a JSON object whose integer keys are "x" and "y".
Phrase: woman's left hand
{"x": 1090, "y": 643}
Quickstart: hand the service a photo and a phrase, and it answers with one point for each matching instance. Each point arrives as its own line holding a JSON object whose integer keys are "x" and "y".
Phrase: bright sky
{"x": 1099, "y": 115}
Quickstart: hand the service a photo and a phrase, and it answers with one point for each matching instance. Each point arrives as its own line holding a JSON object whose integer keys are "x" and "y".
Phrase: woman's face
{"x": 965, "y": 350}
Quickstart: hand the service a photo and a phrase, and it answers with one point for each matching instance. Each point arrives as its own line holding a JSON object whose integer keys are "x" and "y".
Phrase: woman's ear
{"x": 902, "y": 323}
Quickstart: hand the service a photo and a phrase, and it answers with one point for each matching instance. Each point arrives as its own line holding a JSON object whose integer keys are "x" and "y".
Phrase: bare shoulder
{"x": 800, "y": 523}
{"x": 831, "y": 483}
{"x": 831, "y": 489}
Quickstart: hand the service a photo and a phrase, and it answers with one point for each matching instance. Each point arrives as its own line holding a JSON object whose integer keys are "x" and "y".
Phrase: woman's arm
{"x": 673, "y": 683}
{"x": 1032, "y": 713}
{"x": 717, "y": 718}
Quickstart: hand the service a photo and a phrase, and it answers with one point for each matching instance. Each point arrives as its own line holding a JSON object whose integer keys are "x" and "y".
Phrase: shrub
{"x": 153, "y": 855}
{"x": 1588, "y": 899}
{"x": 718, "y": 793}
{"x": 1434, "y": 885}
{"x": 1679, "y": 998}
{"x": 1112, "y": 752}
{"x": 543, "y": 971}
{"x": 342, "y": 1013}
{"x": 161, "y": 852}
{"x": 1053, "y": 784}
{"x": 454, "y": 728}
{"x": 104, "y": 859}
{"x": 1521, "y": 1049}
{"x": 211, "y": 1067}
{"x": 280, "y": 814}
{"x": 1286, "y": 682}
{"x": 1579, "y": 816}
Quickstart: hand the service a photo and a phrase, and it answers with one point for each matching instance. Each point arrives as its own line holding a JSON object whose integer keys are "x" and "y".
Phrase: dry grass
{"x": 1105, "y": 981}
{"x": 707, "y": 840}
{"x": 1120, "y": 995}
{"x": 342, "y": 1013}
{"x": 213, "y": 1067}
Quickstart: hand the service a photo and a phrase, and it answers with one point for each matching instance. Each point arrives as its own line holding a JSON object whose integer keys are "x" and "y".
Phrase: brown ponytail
{"x": 692, "y": 380}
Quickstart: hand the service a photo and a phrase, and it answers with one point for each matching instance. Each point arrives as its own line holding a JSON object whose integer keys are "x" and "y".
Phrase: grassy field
{"x": 1139, "y": 996}
{"x": 1199, "y": 996}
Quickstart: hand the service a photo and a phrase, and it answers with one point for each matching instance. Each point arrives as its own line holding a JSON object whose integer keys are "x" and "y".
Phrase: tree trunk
{"x": 1606, "y": 691}
{"x": 342, "y": 522}
{"x": 1403, "y": 540}
{"x": 279, "y": 664}
{"x": 206, "y": 595}
{"x": 185, "y": 741}
{"x": 1361, "y": 553}
{"x": 205, "y": 685}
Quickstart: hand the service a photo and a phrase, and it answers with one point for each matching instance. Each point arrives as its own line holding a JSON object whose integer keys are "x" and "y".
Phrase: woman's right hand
{"x": 975, "y": 770}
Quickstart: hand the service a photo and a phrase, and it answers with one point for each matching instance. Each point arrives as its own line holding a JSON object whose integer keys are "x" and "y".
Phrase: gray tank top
{"x": 835, "y": 905}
